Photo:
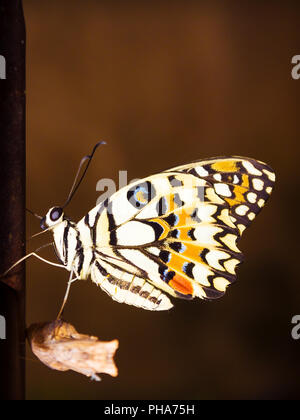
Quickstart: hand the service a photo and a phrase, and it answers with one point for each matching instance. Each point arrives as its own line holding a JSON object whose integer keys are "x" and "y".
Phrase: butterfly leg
{"x": 32, "y": 254}
{"x": 67, "y": 293}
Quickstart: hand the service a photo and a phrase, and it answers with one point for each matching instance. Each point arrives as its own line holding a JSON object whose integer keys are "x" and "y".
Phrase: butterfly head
{"x": 54, "y": 216}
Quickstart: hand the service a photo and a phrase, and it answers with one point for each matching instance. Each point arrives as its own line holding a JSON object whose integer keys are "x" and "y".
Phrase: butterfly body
{"x": 172, "y": 233}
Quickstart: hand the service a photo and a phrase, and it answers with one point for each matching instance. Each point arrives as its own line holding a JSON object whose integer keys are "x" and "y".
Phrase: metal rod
{"x": 12, "y": 199}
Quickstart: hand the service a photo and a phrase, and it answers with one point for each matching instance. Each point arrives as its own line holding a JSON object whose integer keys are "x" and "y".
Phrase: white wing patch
{"x": 134, "y": 233}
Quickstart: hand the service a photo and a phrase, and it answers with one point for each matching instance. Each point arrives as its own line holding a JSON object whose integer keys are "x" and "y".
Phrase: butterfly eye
{"x": 43, "y": 223}
{"x": 56, "y": 214}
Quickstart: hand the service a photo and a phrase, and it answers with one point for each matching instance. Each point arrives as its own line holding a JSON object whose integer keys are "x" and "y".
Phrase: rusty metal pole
{"x": 12, "y": 199}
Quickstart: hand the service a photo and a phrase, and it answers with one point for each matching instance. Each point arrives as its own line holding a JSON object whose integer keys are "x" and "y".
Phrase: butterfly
{"x": 170, "y": 234}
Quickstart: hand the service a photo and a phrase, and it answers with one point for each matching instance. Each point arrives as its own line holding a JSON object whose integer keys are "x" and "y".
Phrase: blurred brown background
{"x": 166, "y": 83}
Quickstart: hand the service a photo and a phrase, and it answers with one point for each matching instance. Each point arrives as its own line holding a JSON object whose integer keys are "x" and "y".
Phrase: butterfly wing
{"x": 177, "y": 231}
{"x": 244, "y": 183}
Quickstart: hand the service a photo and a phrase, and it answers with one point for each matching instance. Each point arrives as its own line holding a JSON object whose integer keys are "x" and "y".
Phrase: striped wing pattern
{"x": 176, "y": 232}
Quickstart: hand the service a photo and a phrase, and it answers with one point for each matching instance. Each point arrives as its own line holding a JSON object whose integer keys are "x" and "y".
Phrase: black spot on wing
{"x": 177, "y": 246}
{"x": 203, "y": 254}
{"x": 195, "y": 217}
{"x": 140, "y": 195}
{"x": 174, "y": 181}
{"x": 165, "y": 274}
{"x": 171, "y": 219}
{"x": 191, "y": 234}
{"x": 87, "y": 220}
{"x": 175, "y": 233}
{"x": 162, "y": 206}
{"x": 178, "y": 201}
{"x": 157, "y": 227}
{"x": 113, "y": 238}
{"x": 194, "y": 172}
{"x": 164, "y": 256}
{"x": 111, "y": 221}
{"x": 188, "y": 269}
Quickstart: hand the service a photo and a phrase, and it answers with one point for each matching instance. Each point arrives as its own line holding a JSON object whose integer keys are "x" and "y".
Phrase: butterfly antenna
{"x": 28, "y": 256}
{"x": 76, "y": 184}
{"x": 34, "y": 214}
